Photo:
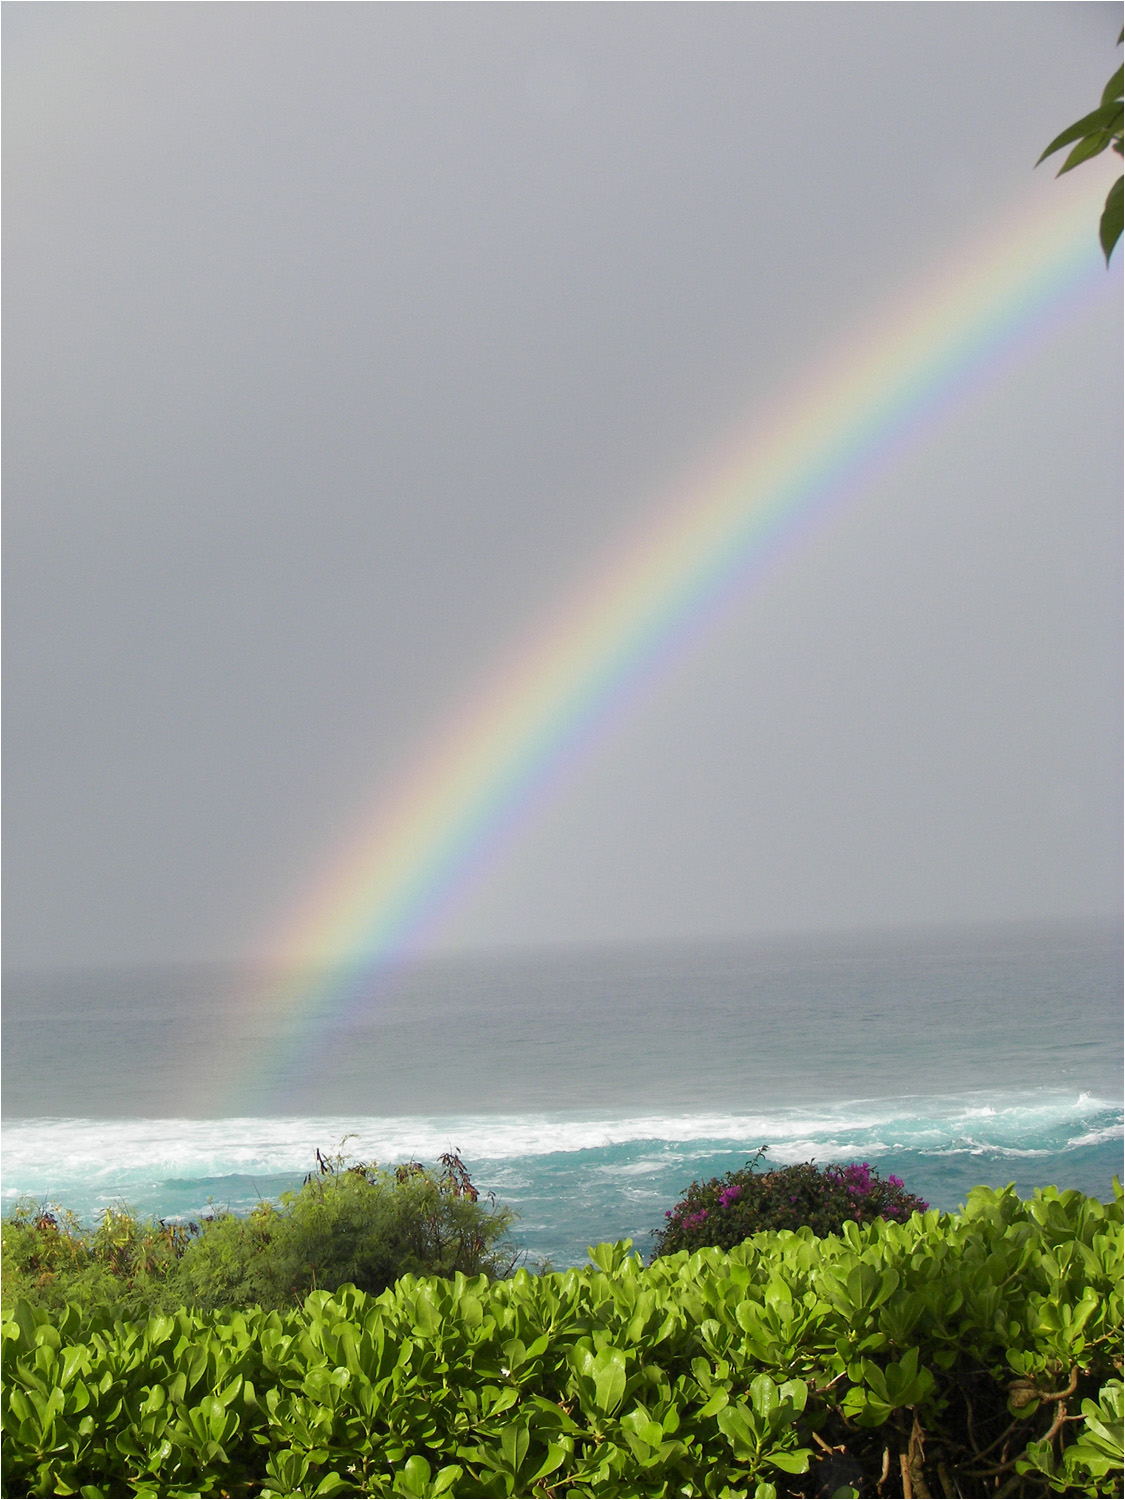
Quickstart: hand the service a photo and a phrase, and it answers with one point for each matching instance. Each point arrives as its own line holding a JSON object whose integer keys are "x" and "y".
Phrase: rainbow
{"x": 423, "y": 846}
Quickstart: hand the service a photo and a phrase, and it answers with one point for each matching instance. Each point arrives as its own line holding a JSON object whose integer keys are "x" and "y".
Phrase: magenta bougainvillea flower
{"x": 727, "y": 1210}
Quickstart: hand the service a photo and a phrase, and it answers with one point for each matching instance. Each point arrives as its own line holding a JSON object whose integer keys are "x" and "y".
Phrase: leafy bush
{"x": 359, "y": 1226}
{"x": 348, "y": 1224}
{"x": 124, "y": 1262}
{"x": 727, "y": 1210}
{"x": 950, "y": 1354}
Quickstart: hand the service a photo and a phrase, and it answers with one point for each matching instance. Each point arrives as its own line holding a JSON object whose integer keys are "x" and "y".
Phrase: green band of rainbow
{"x": 476, "y": 783}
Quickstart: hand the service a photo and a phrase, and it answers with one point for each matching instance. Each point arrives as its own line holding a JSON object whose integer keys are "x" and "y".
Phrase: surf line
{"x": 425, "y": 844}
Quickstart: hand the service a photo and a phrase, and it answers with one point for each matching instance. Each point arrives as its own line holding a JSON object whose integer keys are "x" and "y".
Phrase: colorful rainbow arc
{"x": 475, "y": 784}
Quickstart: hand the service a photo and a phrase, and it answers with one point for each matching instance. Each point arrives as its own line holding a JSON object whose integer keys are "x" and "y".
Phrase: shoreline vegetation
{"x": 798, "y": 1331}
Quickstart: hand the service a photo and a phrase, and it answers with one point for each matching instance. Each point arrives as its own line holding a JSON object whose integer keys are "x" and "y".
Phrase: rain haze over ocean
{"x": 357, "y": 358}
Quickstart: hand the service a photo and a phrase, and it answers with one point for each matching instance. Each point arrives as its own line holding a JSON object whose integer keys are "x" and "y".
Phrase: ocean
{"x": 586, "y": 1087}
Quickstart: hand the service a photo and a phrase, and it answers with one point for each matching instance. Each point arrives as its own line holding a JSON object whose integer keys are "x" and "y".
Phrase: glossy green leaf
{"x": 1095, "y": 123}
{"x": 609, "y": 1378}
{"x": 1109, "y": 229}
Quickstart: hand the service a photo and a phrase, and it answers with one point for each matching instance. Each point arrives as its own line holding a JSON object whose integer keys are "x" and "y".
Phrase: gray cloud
{"x": 340, "y": 338}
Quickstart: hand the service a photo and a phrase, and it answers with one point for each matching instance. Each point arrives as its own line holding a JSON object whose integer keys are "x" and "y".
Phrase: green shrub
{"x": 965, "y": 1354}
{"x": 355, "y": 1224}
{"x": 124, "y": 1262}
{"x": 358, "y": 1225}
{"x": 727, "y": 1210}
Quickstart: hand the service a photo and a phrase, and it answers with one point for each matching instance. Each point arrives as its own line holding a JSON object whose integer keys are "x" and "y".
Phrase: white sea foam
{"x": 572, "y": 1181}
{"x": 1096, "y": 1137}
{"x": 45, "y": 1151}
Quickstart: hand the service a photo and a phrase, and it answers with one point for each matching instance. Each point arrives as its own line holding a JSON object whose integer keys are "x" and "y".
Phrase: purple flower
{"x": 728, "y": 1195}
{"x": 894, "y": 1181}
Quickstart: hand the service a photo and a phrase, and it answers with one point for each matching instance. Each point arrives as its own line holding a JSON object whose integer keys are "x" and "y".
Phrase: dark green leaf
{"x": 1098, "y": 120}
{"x": 1109, "y": 231}
{"x": 513, "y": 1445}
{"x": 1090, "y": 146}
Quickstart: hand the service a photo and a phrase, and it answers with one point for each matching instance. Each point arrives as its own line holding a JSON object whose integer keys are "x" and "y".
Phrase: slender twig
{"x": 1047, "y": 1396}
{"x": 983, "y": 1452}
{"x": 969, "y": 1423}
{"x": 1002, "y": 1467}
{"x": 916, "y": 1459}
{"x": 952, "y": 1491}
{"x": 1057, "y": 1424}
{"x": 886, "y": 1467}
{"x": 994, "y": 1470}
{"x": 1049, "y": 1436}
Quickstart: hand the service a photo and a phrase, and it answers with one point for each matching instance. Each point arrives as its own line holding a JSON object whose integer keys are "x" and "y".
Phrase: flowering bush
{"x": 727, "y": 1210}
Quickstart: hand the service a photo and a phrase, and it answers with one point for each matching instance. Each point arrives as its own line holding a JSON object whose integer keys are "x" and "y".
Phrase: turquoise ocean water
{"x": 587, "y": 1088}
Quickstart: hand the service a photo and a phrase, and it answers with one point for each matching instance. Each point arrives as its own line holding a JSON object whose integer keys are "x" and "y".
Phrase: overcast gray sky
{"x": 340, "y": 339}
